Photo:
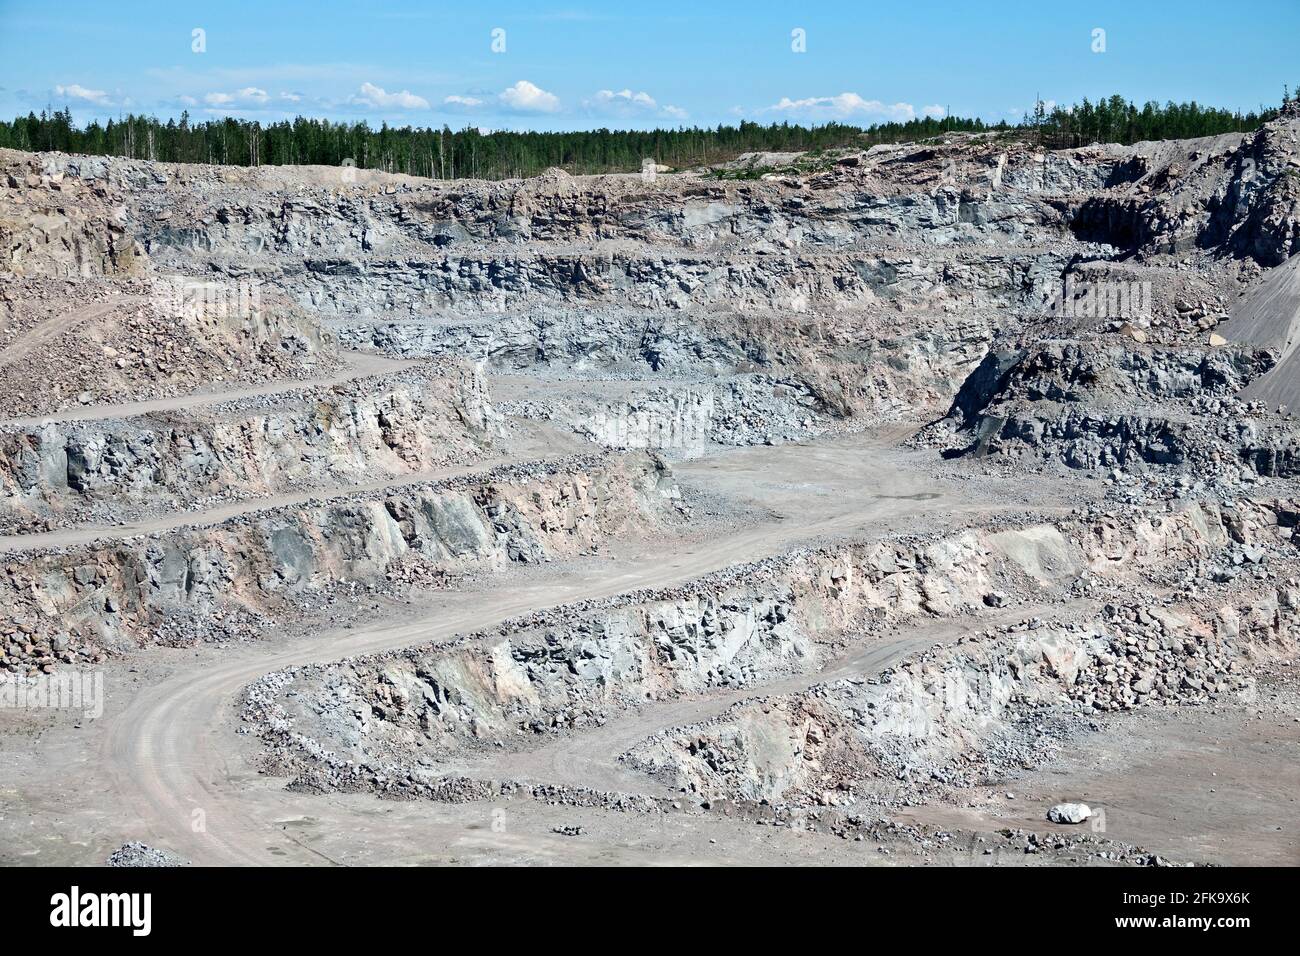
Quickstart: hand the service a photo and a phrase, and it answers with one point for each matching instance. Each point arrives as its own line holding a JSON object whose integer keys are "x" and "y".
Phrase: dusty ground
{"x": 158, "y": 763}
{"x": 166, "y": 712}
{"x": 1218, "y": 785}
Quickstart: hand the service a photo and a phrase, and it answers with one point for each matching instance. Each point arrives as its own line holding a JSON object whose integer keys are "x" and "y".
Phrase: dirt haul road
{"x": 591, "y": 758}
{"x": 171, "y": 755}
{"x": 52, "y": 329}
{"x": 208, "y": 517}
{"x": 358, "y": 365}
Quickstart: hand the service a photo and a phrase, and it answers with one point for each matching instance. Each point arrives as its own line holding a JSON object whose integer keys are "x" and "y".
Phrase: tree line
{"x": 1116, "y": 120}
{"x": 439, "y": 153}
{"x": 447, "y": 154}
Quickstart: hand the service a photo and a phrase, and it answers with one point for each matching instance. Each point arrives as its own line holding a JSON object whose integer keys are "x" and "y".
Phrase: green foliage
{"x": 1116, "y": 120}
{"x": 442, "y": 154}
{"x": 447, "y": 154}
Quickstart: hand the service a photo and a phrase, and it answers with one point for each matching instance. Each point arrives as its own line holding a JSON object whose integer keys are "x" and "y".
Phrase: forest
{"x": 502, "y": 154}
{"x": 1116, "y": 120}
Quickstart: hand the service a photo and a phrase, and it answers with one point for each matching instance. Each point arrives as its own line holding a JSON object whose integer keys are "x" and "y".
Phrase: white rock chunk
{"x": 1069, "y": 813}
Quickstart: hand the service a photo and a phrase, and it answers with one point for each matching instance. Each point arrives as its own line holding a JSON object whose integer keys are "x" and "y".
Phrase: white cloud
{"x": 625, "y": 98}
{"x": 378, "y": 98}
{"x": 462, "y": 102}
{"x": 936, "y": 111}
{"x": 626, "y": 103}
{"x": 248, "y": 96}
{"x": 843, "y": 106}
{"x": 527, "y": 97}
{"x": 523, "y": 97}
{"x": 75, "y": 91}
{"x": 247, "y": 101}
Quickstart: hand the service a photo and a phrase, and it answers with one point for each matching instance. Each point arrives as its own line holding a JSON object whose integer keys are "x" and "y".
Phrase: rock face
{"x": 1145, "y": 369}
{"x": 89, "y": 318}
{"x": 751, "y": 292}
{"x": 57, "y": 225}
{"x": 230, "y": 579}
{"x": 945, "y": 718}
{"x": 1003, "y": 698}
{"x": 578, "y": 667}
{"x": 1232, "y": 191}
{"x": 1102, "y": 407}
{"x": 538, "y": 679}
{"x": 363, "y": 430}
{"x": 824, "y": 295}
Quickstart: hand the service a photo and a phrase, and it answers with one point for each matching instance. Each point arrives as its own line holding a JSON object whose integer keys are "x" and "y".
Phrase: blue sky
{"x": 633, "y": 64}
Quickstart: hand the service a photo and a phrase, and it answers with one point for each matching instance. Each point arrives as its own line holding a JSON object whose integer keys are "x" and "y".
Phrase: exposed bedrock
{"x": 1009, "y": 697}
{"x": 230, "y": 579}
{"x": 366, "y": 429}
{"x": 407, "y": 715}
{"x": 976, "y": 712}
{"x": 487, "y": 283}
{"x": 576, "y": 667}
{"x": 1239, "y": 194}
{"x": 86, "y": 317}
{"x": 1111, "y": 406}
{"x": 840, "y": 206}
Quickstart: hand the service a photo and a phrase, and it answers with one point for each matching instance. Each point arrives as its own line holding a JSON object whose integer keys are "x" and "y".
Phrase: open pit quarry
{"x": 869, "y": 507}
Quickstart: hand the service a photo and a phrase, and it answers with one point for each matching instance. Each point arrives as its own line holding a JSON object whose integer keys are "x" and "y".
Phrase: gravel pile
{"x": 141, "y": 854}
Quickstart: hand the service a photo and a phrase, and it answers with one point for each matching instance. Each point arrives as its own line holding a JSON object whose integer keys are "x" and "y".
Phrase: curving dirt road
{"x": 171, "y": 755}
{"x": 590, "y": 758}
{"x": 358, "y": 365}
